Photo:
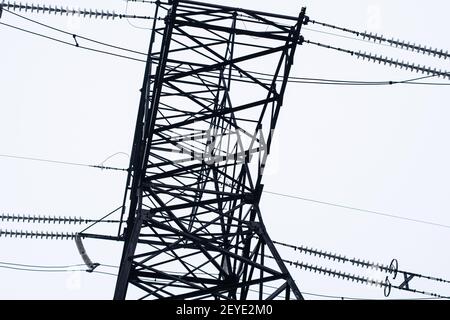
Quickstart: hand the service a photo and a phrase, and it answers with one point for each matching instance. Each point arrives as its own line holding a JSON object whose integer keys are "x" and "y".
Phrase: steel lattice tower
{"x": 204, "y": 129}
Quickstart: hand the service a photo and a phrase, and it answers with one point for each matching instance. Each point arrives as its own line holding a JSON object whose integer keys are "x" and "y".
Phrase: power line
{"x": 72, "y": 44}
{"x": 70, "y": 11}
{"x": 267, "y": 191}
{"x": 128, "y": 20}
{"x": 356, "y": 82}
{"x": 75, "y": 35}
{"x": 291, "y": 79}
{"x": 37, "y": 234}
{"x": 338, "y": 35}
{"x": 53, "y": 235}
{"x": 353, "y": 298}
{"x": 36, "y": 268}
{"x": 115, "y": 275}
{"x": 435, "y": 224}
{"x": 337, "y": 257}
{"x": 386, "y": 285}
{"x": 380, "y": 39}
{"x": 374, "y": 38}
{"x": 321, "y": 295}
{"x": 396, "y": 63}
{"x": 142, "y": 1}
{"x": 115, "y": 154}
{"x": 41, "y": 267}
{"x": 57, "y": 270}
{"x": 320, "y": 270}
{"x": 51, "y": 266}
{"x": 41, "y": 270}
{"x": 106, "y": 273}
{"x": 63, "y": 162}
{"x": 391, "y": 269}
{"x": 324, "y": 81}
{"x": 48, "y": 219}
{"x": 385, "y": 60}
{"x": 97, "y": 166}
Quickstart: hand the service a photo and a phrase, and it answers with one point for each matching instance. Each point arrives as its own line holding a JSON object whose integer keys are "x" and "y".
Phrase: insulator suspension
{"x": 440, "y": 53}
{"x": 48, "y": 219}
{"x": 407, "y": 65}
{"x": 387, "y": 61}
{"x": 339, "y": 258}
{"x": 58, "y": 10}
{"x": 391, "y": 269}
{"x": 406, "y": 45}
{"x": 386, "y": 285}
{"x": 37, "y": 235}
{"x": 337, "y": 274}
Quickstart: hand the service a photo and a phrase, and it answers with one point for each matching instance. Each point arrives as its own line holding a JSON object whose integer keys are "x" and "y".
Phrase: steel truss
{"x": 204, "y": 129}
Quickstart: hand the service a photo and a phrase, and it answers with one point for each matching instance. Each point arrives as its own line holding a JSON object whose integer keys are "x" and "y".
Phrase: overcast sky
{"x": 377, "y": 148}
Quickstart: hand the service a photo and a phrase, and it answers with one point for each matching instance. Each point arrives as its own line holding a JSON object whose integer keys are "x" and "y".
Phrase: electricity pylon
{"x": 204, "y": 129}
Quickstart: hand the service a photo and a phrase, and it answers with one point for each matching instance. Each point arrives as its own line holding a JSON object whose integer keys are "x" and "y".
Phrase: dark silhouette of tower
{"x": 194, "y": 228}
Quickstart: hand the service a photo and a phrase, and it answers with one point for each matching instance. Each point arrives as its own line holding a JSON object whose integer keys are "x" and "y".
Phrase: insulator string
{"x": 7, "y": 217}
{"x": 386, "y": 61}
{"x": 59, "y": 10}
{"x": 402, "y": 44}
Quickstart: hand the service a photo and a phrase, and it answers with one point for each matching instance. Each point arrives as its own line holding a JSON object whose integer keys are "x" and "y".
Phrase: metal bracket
{"x": 408, "y": 277}
{"x": 75, "y": 39}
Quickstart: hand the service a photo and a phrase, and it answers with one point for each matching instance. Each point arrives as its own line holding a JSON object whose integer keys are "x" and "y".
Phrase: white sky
{"x": 378, "y": 148}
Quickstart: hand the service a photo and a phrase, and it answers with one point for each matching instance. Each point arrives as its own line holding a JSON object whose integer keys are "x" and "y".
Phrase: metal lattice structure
{"x": 204, "y": 129}
{"x": 213, "y": 88}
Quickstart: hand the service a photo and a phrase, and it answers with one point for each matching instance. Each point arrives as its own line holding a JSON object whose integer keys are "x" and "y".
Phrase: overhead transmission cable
{"x": 70, "y": 43}
{"x": 50, "y": 269}
{"x": 370, "y": 57}
{"x": 316, "y": 269}
{"x": 391, "y": 269}
{"x": 37, "y": 268}
{"x": 380, "y": 59}
{"x": 386, "y": 285}
{"x": 406, "y": 45}
{"x": 337, "y": 35}
{"x": 128, "y": 20}
{"x": 385, "y": 60}
{"x": 40, "y": 270}
{"x": 435, "y": 224}
{"x": 85, "y": 13}
{"x": 101, "y": 167}
{"x": 372, "y": 38}
{"x": 75, "y": 36}
{"x": 33, "y": 8}
{"x": 8, "y": 217}
{"x": 290, "y": 79}
{"x": 40, "y": 266}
